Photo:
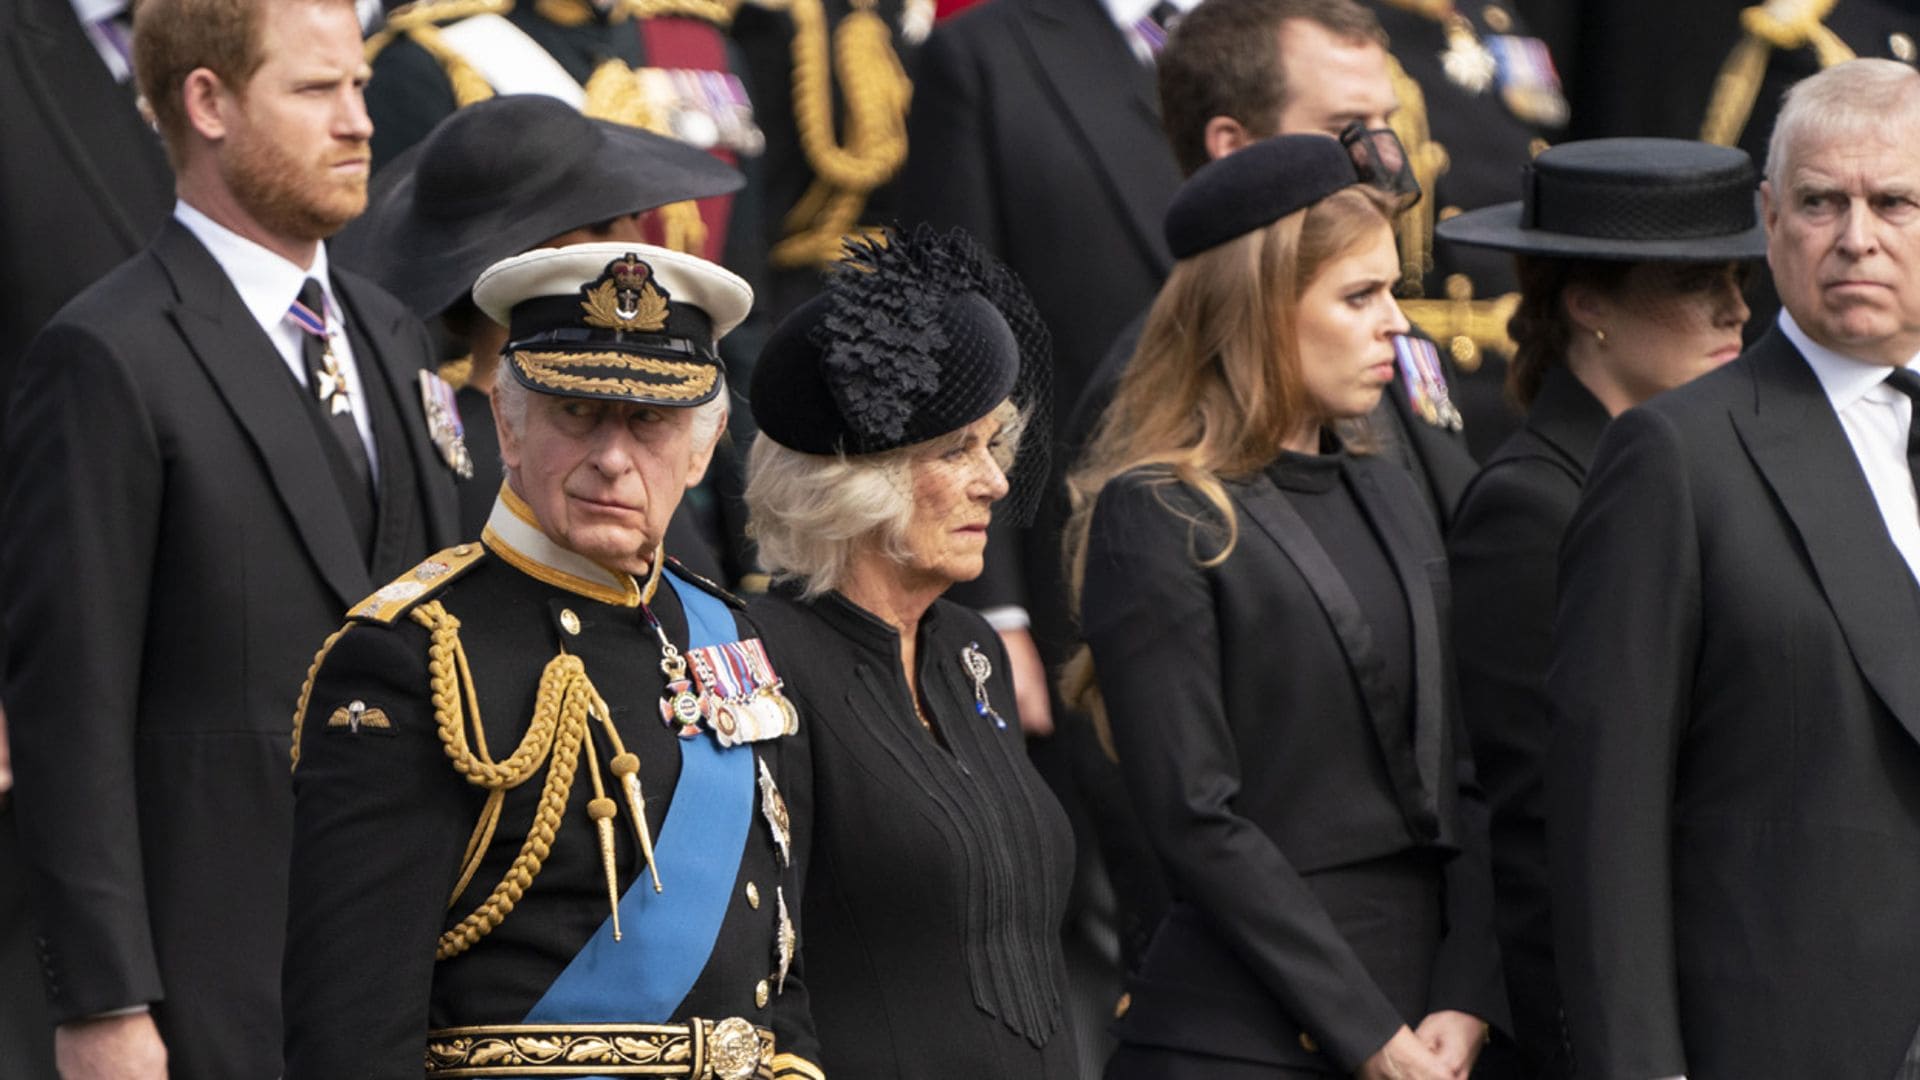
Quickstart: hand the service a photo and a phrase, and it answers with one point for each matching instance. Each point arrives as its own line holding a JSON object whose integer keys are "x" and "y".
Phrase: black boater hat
{"x": 1638, "y": 200}
{"x": 621, "y": 322}
{"x": 916, "y": 335}
{"x": 502, "y": 175}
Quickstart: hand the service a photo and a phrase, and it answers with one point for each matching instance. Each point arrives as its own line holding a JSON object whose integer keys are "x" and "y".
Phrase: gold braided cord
{"x": 877, "y": 93}
{"x": 614, "y": 92}
{"x": 1413, "y": 228}
{"x": 553, "y": 740}
{"x": 1778, "y": 24}
{"x": 717, "y": 12}
{"x": 306, "y": 692}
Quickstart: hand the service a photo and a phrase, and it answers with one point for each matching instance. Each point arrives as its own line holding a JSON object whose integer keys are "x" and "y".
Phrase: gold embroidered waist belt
{"x": 730, "y": 1049}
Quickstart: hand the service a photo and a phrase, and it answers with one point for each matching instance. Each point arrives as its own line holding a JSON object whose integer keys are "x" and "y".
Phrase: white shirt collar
{"x": 514, "y": 535}
{"x": 1845, "y": 379}
{"x": 1125, "y": 13}
{"x": 93, "y": 11}
{"x": 267, "y": 283}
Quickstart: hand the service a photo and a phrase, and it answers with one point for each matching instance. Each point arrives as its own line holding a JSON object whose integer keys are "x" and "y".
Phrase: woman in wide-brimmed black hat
{"x": 1631, "y": 254}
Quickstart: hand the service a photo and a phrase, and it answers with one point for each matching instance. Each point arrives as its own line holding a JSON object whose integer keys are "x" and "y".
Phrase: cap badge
{"x": 625, "y": 297}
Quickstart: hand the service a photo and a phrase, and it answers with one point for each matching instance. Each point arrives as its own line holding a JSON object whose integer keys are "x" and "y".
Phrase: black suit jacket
{"x": 1734, "y": 780}
{"x": 1244, "y": 700}
{"x": 1035, "y": 129}
{"x": 175, "y": 546}
{"x": 83, "y": 181}
{"x": 1504, "y": 550}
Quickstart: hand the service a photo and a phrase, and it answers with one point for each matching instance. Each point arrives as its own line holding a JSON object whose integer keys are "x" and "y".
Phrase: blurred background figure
{"x": 1265, "y": 619}
{"x": 1631, "y": 257}
{"x": 939, "y": 862}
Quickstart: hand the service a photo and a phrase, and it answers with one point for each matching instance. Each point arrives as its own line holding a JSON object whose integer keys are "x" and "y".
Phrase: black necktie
{"x": 333, "y": 406}
{"x": 1908, "y": 383}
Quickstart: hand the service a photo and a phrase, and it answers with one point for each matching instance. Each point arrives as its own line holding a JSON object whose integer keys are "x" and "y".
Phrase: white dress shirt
{"x": 1876, "y": 418}
{"x": 268, "y": 285}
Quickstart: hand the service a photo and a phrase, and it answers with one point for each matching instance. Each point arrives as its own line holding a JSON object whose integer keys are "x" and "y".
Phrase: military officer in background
{"x": 543, "y": 781}
{"x": 1479, "y": 96}
{"x": 831, "y": 90}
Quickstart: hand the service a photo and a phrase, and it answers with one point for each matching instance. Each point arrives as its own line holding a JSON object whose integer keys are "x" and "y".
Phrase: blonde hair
{"x": 810, "y": 513}
{"x": 1214, "y": 391}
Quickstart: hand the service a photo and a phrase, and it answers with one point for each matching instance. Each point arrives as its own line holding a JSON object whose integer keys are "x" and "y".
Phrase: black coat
{"x": 1734, "y": 780}
{"x": 937, "y": 870}
{"x": 175, "y": 544}
{"x": 1245, "y": 701}
{"x": 1035, "y": 129}
{"x": 83, "y": 181}
{"x": 1504, "y": 551}
{"x": 382, "y": 821}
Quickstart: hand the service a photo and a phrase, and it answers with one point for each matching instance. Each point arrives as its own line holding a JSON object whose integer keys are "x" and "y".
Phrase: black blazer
{"x": 1503, "y": 550}
{"x": 1245, "y": 704}
{"x": 175, "y": 546}
{"x": 1035, "y": 129}
{"x": 1734, "y": 780}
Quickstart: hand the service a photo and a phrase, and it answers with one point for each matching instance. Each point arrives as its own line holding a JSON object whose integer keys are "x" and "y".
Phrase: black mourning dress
{"x": 930, "y": 928}
{"x": 1286, "y": 724}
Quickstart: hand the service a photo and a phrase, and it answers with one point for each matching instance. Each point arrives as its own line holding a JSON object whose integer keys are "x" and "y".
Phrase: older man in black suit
{"x": 212, "y": 452}
{"x": 1735, "y": 778}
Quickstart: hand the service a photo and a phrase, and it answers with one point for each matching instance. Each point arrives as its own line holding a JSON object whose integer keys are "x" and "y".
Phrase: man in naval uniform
{"x": 542, "y": 781}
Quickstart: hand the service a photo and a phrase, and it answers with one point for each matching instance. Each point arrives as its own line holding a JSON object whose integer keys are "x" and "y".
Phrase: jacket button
{"x": 761, "y": 993}
{"x": 1120, "y": 1007}
{"x": 1307, "y": 1043}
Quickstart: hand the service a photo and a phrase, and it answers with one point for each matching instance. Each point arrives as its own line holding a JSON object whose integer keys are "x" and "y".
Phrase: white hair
{"x": 1857, "y": 99}
{"x": 709, "y": 417}
{"x": 809, "y": 512}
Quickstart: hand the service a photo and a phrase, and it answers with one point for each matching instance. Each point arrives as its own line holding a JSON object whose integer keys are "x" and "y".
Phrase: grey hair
{"x": 809, "y": 512}
{"x": 1851, "y": 99}
{"x": 708, "y": 416}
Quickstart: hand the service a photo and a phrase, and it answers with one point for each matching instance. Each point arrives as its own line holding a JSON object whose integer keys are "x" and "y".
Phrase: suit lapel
{"x": 87, "y": 110}
{"x": 1107, "y": 95}
{"x": 407, "y": 457}
{"x": 245, "y": 369}
{"x": 1797, "y": 443}
{"x": 1270, "y": 510}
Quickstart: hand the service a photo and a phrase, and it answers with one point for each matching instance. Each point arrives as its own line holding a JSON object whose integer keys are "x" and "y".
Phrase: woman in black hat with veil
{"x": 1263, "y": 604}
{"x": 890, "y": 409}
{"x": 1631, "y": 257}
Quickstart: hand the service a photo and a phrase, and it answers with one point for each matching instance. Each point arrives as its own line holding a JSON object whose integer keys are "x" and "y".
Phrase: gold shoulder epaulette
{"x": 433, "y": 12}
{"x": 396, "y": 597}
{"x": 717, "y": 12}
{"x": 709, "y": 585}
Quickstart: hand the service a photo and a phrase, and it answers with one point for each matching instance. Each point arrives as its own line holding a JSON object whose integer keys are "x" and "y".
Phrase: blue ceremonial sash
{"x": 666, "y": 937}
